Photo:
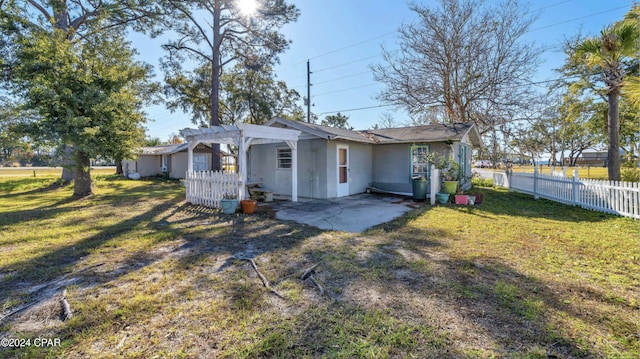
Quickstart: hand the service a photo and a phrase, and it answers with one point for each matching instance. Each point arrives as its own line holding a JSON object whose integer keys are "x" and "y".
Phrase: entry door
{"x": 343, "y": 171}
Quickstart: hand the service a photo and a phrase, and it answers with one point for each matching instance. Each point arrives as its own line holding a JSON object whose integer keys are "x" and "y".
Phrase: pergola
{"x": 244, "y": 135}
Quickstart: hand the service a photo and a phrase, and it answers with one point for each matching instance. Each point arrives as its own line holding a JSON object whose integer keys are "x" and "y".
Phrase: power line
{"x": 348, "y": 63}
{"x": 347, "y": 89}
{"x": 579, "y": 18}
{"x": 356, "y": 109}
{"x": 347, "y": 47}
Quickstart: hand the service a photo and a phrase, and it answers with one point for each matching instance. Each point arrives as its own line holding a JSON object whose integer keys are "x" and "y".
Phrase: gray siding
{"x": 312, "y": 165}
{"x": 391, "y": 167}
{"x": 360, "y": 167}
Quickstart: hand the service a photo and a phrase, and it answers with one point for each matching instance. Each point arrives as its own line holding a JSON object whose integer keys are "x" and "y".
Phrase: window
{"x": 419, "y": 161}
{"x": 200, "y": 162}
{"x": 284, "y": 158}
{"x": 165, "y": 163}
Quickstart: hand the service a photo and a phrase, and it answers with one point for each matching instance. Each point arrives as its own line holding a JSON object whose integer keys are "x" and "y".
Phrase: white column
{"x": 294, "y": 170}
{"x": 190, "y": 148}
{"x": 243, "y": 148}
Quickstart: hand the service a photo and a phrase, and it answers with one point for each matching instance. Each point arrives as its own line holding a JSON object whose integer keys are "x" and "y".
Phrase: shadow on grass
{"x": 504, "y": 203}
{"x": 392, "y": 292}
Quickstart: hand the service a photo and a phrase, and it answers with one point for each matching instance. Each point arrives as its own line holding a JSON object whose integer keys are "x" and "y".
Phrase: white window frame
{"x": 427, "y": 165}
{"x": 282, "y": 160}
{"x": 164, "y": 165}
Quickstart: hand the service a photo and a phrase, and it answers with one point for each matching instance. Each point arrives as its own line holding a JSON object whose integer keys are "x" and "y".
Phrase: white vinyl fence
{"x": 622, "y": 198}
{"x": 207, "y": 188}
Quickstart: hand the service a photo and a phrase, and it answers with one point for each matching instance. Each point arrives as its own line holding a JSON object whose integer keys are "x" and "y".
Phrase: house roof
{"x": 326, "y": 132}
{"x": 428, "y": 133}
{"x": 163, "y": 149}
{"x": 168, "y": 149}
{"x": 424, "y": 134}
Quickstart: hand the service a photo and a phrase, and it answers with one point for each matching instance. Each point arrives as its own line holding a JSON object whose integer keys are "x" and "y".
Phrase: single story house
{"x": 334, "y": 162}
{"x": 171, "y": 160}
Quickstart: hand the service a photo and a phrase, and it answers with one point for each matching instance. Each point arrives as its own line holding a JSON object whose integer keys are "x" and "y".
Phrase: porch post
{"x": 243, "y": 148}
{"x": 294, "y": 170}
{"x": 190, "y": 148}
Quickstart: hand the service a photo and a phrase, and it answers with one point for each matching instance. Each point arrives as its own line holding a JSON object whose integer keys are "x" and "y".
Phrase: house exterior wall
{"x": 145, "y": 165}
{"x": 151, "y": 165}
{"x": 392, "y": 165}
{"x": 360, "y": 167}
{"x": 317, "y": 168}
{"x": 312, "y": 165}
{"x": 178, "y": 164}
{"x": 392, "y": 168}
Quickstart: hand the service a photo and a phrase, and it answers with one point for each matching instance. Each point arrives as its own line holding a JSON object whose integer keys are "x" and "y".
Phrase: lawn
{"x": 147, "y": 275}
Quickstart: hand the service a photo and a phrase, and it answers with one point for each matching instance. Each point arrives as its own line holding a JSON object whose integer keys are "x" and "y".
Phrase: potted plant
{"x": 442, "y": 198}
{"x": 248, "y": 206}
{"x": 462, "y": 198}
{"x": 229, "y": 203}
{"x": 449, "y": 169}
{"x": 479, "y": 197}
{"x": 451, "y": 177}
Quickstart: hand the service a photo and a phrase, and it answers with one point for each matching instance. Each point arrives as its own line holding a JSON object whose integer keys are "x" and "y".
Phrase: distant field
{"x": 48, "y": 171}
{"x": 599, "y": 173}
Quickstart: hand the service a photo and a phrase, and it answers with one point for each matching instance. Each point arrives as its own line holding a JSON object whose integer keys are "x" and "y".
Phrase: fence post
{"x": 434, "y": 186}
{"x": 509, "y": 173}
{"x": 535, "y": 183}
{"x": 574, "y": 187}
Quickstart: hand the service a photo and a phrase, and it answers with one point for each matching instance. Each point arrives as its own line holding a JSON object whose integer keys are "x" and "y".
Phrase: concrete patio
{"x": 350, "y": 214}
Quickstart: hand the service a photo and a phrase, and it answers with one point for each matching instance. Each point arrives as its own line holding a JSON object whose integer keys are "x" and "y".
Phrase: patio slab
{"x": 350, "y": 214}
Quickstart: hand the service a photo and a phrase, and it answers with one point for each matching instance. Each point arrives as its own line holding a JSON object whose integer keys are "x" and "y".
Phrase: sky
{"x": 342, "y": 38}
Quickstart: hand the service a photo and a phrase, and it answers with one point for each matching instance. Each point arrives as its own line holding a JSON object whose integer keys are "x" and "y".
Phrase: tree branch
{"x": 40, "y": 8}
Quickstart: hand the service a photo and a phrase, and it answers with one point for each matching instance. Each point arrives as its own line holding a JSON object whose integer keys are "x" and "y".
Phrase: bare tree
{"x": 462, "y": 61}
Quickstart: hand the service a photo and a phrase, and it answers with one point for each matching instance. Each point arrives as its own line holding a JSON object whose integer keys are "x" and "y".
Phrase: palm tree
{"x": 611, "y": 54}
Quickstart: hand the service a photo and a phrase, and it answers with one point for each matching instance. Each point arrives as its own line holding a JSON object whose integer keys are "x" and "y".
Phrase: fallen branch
{"x": 45, "y": 291}
{"x": 313, "y": 279}
{"x": 66, "y": 308}
{"x": 309, "y": 271}
{"x": 264, "y": 280}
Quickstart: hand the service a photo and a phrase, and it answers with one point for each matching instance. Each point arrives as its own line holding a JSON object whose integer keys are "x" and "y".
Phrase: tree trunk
{"x": 215, "y": 82}
{"x": 67, "y": 164}
{"x": 613, "y": 127}
{"x": 119, "y": 169}
{"x": 82, "y": 176}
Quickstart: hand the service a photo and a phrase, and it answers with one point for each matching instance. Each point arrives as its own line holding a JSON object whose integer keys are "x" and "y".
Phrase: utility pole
{"x": 308, "y": 100}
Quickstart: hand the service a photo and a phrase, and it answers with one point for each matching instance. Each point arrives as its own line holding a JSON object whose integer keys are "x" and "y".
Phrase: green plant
{"x": 446, "y": 164}
{"x": 630, "y": 170}
{"x": 229, "y": 195}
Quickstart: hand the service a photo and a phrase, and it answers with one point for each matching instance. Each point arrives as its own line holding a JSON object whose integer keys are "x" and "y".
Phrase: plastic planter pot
{"x": 450, "y": 186}
{"x": 228, "y": 206}
{"x": 248, "y": 206}
{"x": 442, "y": 198}
{"x": 462, "y": 199}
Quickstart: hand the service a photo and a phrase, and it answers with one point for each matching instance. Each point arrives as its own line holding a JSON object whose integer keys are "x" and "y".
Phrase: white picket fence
{"x": 207, "y": 188}
{"x": 621, "y": 198}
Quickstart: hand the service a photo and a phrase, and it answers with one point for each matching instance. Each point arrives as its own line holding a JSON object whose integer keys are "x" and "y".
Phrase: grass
{"x": 148, "y": 275}
{"x": 591, "y": 172}
{"x": 46, "y": 172}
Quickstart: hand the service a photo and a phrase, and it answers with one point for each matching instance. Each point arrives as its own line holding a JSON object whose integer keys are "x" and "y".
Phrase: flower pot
{"x": 248, "y": 206}
{"x": 462, "y": 199}
{"x": 472, "y": 200}
{"x": 442, "y": 198}
{"x": 228, "y": 206}
{"x": 450, "y": 186}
